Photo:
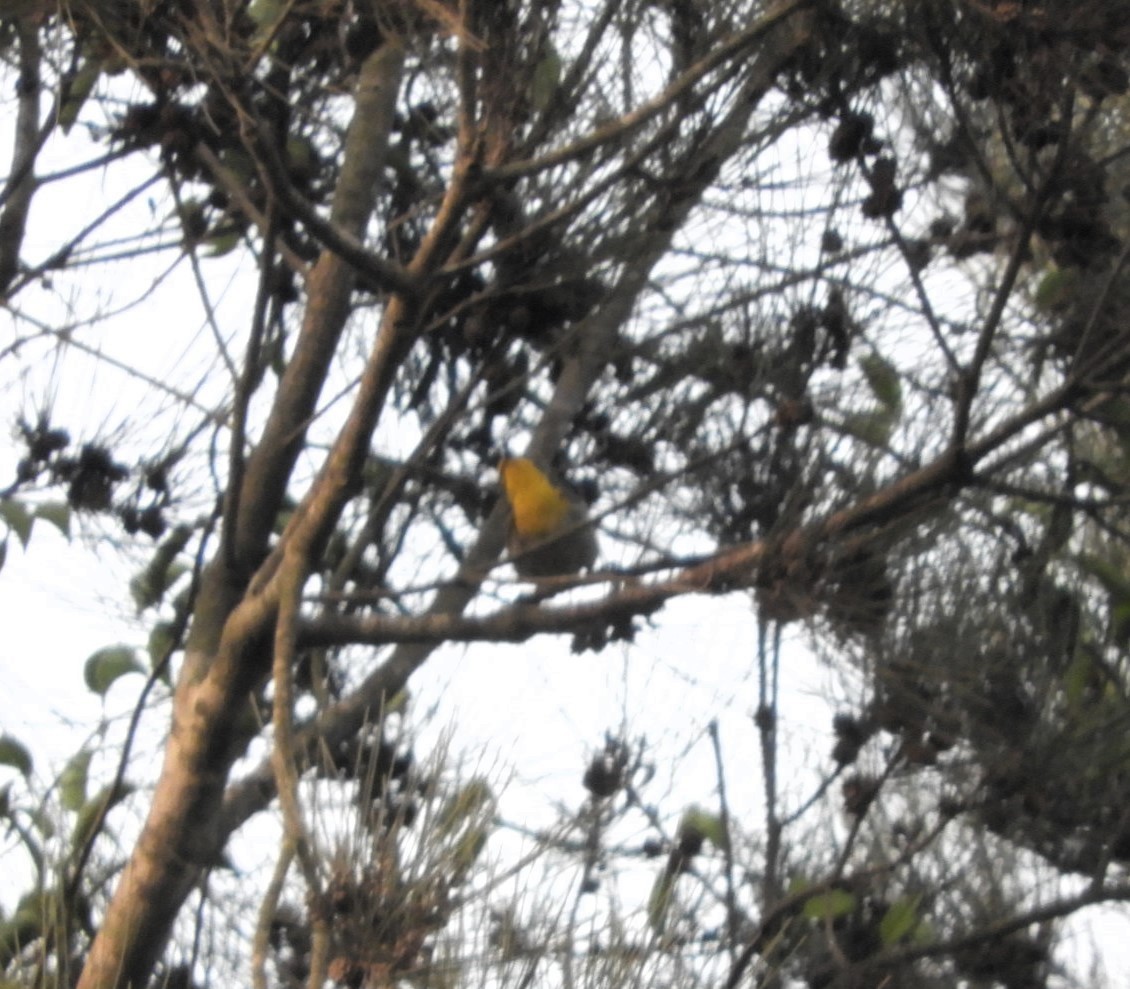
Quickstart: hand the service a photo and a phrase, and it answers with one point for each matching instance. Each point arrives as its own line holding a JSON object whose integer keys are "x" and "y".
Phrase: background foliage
{"x": 819, "y": 305}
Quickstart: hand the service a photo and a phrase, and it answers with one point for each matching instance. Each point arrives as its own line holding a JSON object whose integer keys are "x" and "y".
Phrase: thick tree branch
{"x": 207, "y": 735}
{"x": 21, "y": 182}
{"x": 329, "y": 290}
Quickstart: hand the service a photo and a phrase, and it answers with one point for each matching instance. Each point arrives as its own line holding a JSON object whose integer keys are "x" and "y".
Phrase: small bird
{"x": 550, "y": 533}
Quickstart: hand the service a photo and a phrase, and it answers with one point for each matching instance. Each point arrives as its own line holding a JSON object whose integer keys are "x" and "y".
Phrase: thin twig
{"x": 727, "y": 847}
{"x": 290, "y": 578}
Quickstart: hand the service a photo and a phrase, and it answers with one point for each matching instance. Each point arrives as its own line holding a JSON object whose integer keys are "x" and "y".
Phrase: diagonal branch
{"x": 329, "y": 289}
{"x": 212, "y": 690}
{"x": 18, "y": 194}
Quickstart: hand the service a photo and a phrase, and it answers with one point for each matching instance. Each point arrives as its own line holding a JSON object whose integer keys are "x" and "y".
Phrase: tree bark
{"x": 224, "y": 663}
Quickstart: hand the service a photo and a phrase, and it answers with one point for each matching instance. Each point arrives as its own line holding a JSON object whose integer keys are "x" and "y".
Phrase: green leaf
{"x": 13, "y": 753}
{"x": 72, "y": 780}
{"x": 240, "y": 162}
{"x": 25, "y": 926}
{"x": 883, "y": 380}
{"x": 547, "y": 74}
{"x": 1056, "y": 289}
{"x": 25, "y": 836}
{"x": 160, "y": 642}
{"x": 265, "y": 13}
{"x": 467, "y": 805}
{"x": 282, "y": 520}
{"x": 873, "y": 428}
{"x": 107, "y": 665}
{"x": 1078, "y": 676}
{"x": 192, "y": 215}
{"x": 224, "y": 241}
{"x": 659, "y": 902}
{"x": 43, "y": 822}
{"x": 93, "y": 808}
{"x": 58, "y": 513}
{"x": 467, "y": 850}
{"x": 830, "y": 905}
{"x": 797, "y": 885}
{"x": 923, "y": 933}
{"x": 709, "y": 826}
{"x": 1108, "y": 574}
{"x": 3, "y": 552}
{"x": 274, "y": 355}
{"x": 36, "y": 904}
{"x": 302, "y": 159}
{"x": 900, "y": 920}
{"x": 148, "y": 587}
{"x": 81, "y": 87}
{"x": 18, "y": 518}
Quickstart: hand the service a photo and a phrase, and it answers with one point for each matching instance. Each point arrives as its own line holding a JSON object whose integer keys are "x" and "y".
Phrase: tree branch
{"x": 22, "y": 184}
{"x": 329, "y": 289}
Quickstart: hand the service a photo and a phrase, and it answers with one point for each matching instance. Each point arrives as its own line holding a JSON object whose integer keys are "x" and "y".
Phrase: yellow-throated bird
{"x": 550, "y": 532}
